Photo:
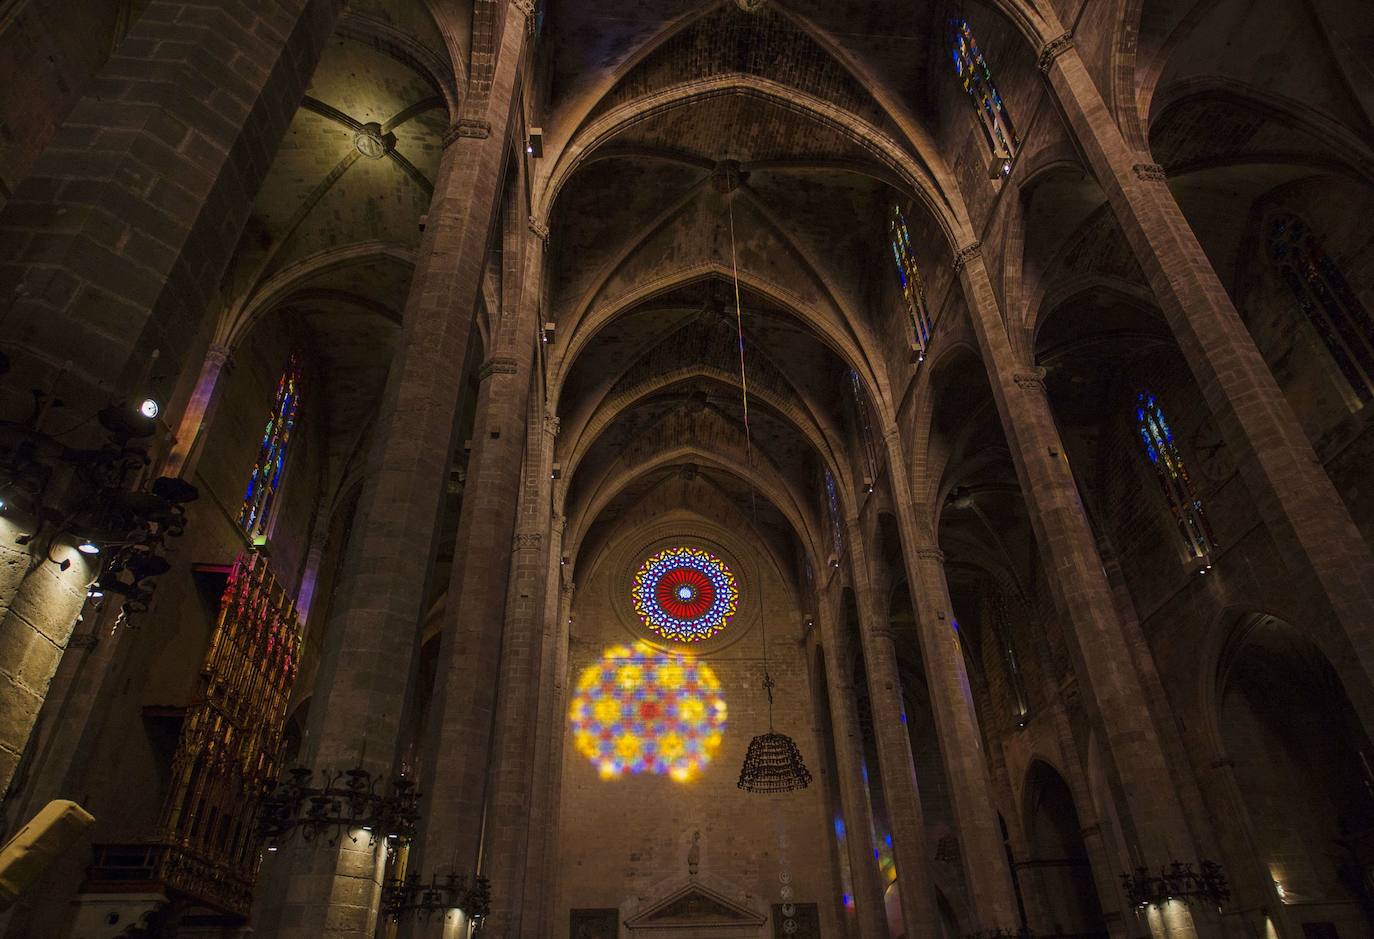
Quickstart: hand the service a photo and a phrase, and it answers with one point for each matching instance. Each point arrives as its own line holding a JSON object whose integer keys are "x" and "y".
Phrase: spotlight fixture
{"x": 90, "y": 490}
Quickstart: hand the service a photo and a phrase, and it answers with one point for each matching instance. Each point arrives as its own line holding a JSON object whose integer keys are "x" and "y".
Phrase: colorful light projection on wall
{"x": 639, "y": 710}
{"x": 685, "y": 594}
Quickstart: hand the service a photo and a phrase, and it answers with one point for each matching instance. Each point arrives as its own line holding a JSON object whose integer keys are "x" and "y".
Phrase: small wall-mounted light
{"x": 88, "y": 547}
{"x": 534, "y": 145}
{"x": 555, "y": 471}
{"x": 833, "y": 561}
{"x": 95, "y": 593}
{"x": 149, "y": 408}
{"x": 868, "y": 484}
{"x": 549, "y": 332}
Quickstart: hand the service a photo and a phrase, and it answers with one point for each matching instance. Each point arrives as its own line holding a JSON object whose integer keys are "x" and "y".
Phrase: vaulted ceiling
{"x": 691, "y": 146}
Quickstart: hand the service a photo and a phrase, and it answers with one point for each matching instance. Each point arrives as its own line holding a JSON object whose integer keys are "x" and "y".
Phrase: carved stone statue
{"x": 694, "y": 854}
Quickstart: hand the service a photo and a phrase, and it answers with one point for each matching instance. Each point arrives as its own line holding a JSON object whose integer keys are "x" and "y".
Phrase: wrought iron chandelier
{"x": 348, "y": 803}
{"x": 412, "y": 897}
{"x": 1178, "y": 881}
{"x": 773, "y": 762}
{"x": 97, "y": 496}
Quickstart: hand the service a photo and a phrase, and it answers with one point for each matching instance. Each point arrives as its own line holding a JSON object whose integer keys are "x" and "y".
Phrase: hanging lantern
{"x": 773, "y": 764}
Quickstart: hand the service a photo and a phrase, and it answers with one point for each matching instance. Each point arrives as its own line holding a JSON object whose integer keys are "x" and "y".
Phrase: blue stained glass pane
{"x": 267, "y": 472}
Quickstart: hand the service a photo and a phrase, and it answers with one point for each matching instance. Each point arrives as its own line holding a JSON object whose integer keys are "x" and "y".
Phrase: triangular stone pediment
{"x": 695, "y": 905}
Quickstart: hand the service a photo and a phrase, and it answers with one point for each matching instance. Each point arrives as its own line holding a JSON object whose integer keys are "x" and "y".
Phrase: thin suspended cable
{"x": 749, "y": 448}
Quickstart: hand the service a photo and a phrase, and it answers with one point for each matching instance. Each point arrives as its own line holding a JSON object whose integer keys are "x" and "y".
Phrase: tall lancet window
{"x": 1174, "y": 481}
{"x": 976, "y": 76}
{"x": 276, "y": 438}
{"x": 832, "y": 503}
{"x": 870, "y": 446}
{"x": 1326, "y": 300}
{"x": 913, "y": 291}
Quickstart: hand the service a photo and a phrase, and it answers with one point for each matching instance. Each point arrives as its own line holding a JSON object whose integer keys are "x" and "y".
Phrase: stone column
{"x": 1317, "y": 540}
{"x": 371, "y": 638}
{"x": 457, "y": 831}
{"x": 114, "y": 244}
{"x": 39, "y": 604}
{"x": 510, "y": 806}
{"x": 919, "y": 912}
{"x": 549, "y": 725}
{"x": 961, "y": 742}
{"x": 854, "y": 804}
{"x": 951, "y": 701}
{"x": 1155, "y": 823}
{"x": 553, "y": 787}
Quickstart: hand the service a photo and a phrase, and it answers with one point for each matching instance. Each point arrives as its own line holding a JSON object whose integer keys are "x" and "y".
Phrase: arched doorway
{"x": 1059, "y": 857}
{"x": 1304, "y": 770}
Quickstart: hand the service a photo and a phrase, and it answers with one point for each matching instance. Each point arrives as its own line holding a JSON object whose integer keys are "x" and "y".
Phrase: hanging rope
{"x": 749, "y": 447}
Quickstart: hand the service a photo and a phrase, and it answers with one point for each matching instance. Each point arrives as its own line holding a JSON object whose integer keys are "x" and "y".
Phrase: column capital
{"x": 1149, "y": 172}
{"x": 931, "y": 553}
{"x": 965, "y": 254}
{"x": 569, "y": 588}
{"x": 218, "y": 353}
{"x": 1029, "y": 379}
{"x": 529, "y": 539}
{"x": 883, "y": 632}
{"x": 892, "y": 433}
{"x": 470, "y": 127}
{"x": 560, "y": 523}
{"x": 539, "y": 229}
{"x": 553, "y": 424}
{"x": 1053, "y": 50}
{"x": 524, "y": 6}
{"x": 496, "y": 365}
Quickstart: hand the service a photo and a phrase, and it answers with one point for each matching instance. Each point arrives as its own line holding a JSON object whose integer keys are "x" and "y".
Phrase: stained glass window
{"x": 976, "y": 76}
{"x": 913, "y": 292}
{"x": 832, "y": 502}
{"x": 1326, "y": 300}
{"x": 1001, "y": 628}
{"x": 865, "y": 428}
{"x": 685, "y": 594}
{"x": 639, "y": 710}
{"x": 1174, "y": 482}
{"x": 271, "y": 462}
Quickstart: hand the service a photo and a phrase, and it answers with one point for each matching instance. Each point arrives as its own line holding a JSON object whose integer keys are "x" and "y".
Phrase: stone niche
{"x": 695, "y": 911}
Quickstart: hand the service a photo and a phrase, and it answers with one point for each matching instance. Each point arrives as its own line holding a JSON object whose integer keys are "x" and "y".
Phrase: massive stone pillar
{"x": 914, "y": 884}
{"x": 1317, "y": 540}
{"x": 854, "y": 803}
{"x": 951, "y": 702}
{"x": 513, "y": 799}
{"x": 1156, "y": 829}
{"x": 361, "y": 686}
{"x": 547, "y": 726}
{"x": 458, "y": 829}
{"x": 114, "y": 243}
{"x": 552, "y": 784}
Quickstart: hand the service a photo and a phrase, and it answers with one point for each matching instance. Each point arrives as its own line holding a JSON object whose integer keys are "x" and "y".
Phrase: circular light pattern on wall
{"x": 685, "y": 594}
{"x": 639, "y": 710}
